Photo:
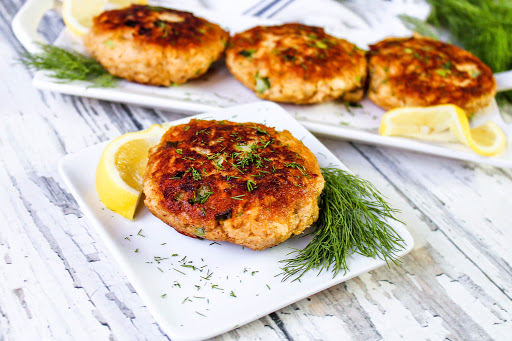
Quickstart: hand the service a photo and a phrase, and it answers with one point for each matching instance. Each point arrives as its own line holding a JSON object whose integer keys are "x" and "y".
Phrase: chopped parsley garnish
{"x": 247, "y": 53}
{"x": 109, "y": 43}
{"x": 208, "y": 276}
{"x": 201, "y": 195}
{"x": 162, "y": 24}
{"x": 195, "y": 173}
{"x": 234, "y": 166}
{"x": 259, "y": 130}
{"x": 251, "y": 185}
{"x": 320, "y": 44}
{"x": 188, "y": 265}
{"x": 262, "y": 83}
{"x": 181, "y": 272}
{"x": 447, "y": 65}
{"x": 442, "y": 72}
{"x": 200, "y": 232}
{"x": 159, "y": 259}
{"x": 298, "y": 166}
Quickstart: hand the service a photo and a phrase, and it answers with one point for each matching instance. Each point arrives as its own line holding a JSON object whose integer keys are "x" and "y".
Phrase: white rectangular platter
{"x": 197, "y": 289}
{"x": 218, "y": 89}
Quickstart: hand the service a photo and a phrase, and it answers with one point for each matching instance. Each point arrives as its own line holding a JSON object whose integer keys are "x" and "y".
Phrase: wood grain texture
{"x": 58, "y": 281}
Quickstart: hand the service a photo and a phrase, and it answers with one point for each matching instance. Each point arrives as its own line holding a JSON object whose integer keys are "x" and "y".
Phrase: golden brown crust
{"x": 302, "y": 64}
{"x": 155, "y": 45}
{"x": 421, "y": 71}
{"x": 243, "y": 183}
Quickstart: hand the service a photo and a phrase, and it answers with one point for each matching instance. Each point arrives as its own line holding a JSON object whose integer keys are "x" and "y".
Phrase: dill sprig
{"x": 352, "y": 220}
{"x": 69, "y": 66}
{"x": 419, "y": 26}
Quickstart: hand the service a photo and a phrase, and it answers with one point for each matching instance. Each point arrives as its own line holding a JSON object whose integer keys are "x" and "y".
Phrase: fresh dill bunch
{"x": 69, "y": 66}
{"x": 483, "y": 27}
{"x": 352, "y": 218}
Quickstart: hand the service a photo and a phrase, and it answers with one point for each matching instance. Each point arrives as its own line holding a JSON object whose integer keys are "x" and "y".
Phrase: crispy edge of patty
{"x": 297, "y": 63}
{"x": 419, "y": 71}
{"x": 284, "y": 202}
{"x": 155, "y": 45}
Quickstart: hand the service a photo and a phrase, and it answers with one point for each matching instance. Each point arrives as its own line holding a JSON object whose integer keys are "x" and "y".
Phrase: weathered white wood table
{"x": 58, "y": 282}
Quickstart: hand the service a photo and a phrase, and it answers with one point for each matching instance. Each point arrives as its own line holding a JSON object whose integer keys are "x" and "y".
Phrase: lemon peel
{"x": 121, "y": 169}
{"x": 444, "y": 123}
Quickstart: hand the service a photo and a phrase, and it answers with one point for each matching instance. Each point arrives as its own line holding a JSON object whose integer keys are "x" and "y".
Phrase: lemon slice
{"x": 445, "y": 123}
{"x": 121, "y": 169}
{"x": 487, "y": 139}
{"x": 78, "y": 14}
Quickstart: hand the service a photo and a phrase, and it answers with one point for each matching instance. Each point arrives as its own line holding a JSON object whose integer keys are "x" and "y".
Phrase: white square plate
{"x": 197, "y": 289}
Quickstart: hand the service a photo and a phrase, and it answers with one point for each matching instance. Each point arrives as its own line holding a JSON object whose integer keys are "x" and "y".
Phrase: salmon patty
{"x": 296, "y": 63}
{"x": 244, "y": 183}
{"x": 421, "y": 71}
{"x": 155, "y": 45}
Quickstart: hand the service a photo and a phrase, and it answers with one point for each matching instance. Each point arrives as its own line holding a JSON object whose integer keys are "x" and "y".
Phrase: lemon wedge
{"x": 121, "y": 169}
{"x": 446, "y": 123}
{"x": 78, "y": 14}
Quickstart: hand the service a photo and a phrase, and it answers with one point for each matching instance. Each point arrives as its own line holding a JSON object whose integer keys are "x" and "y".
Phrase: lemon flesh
{"x": 78, "y": 14}
{"x": 443, "y": 123}
{"x": 131, "y": 160}
{"x": 488, "y": 139}
{"x": 121, "y": 169}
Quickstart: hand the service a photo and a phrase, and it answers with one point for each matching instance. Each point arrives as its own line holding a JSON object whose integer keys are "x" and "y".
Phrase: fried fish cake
{"x": 421, "y": 71}
{"x": 244, "y": 183}
{"x": 155, "y": 45}
{"x": 296, "y": 63}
